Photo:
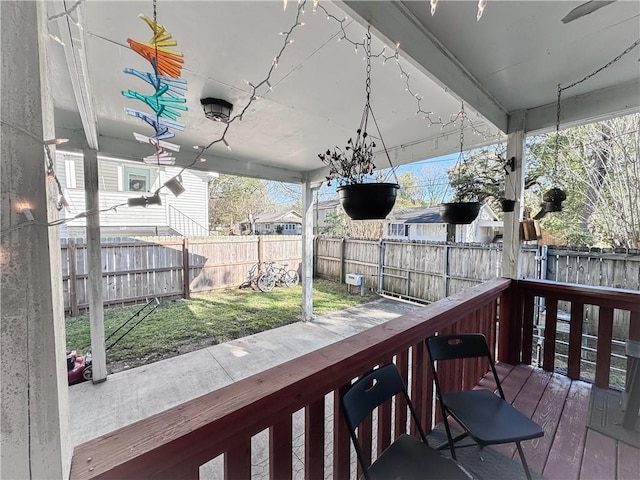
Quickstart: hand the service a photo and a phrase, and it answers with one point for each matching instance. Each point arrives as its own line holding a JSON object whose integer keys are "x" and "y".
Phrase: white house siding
{"x": 433, "y": 232}
{"x": 125, "y": 220}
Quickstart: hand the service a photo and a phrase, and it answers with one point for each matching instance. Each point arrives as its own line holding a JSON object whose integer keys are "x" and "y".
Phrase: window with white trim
{"x": 398, "y": 230}
{"x": 136, "y": 179}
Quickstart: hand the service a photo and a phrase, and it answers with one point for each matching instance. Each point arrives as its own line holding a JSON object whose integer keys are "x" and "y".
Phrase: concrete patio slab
{"x": 138, "y": 393}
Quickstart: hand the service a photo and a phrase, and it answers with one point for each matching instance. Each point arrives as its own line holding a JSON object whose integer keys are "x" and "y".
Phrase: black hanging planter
{"x": 368, "y": 201}
{"x": 508, "y": 205}
{"x": 553, "y": 199}
{"x": 460, "y": 213}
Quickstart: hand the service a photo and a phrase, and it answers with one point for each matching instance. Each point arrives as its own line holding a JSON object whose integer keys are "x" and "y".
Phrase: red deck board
{"x": 547, "y": 415}
{"x": 515, "y": 381}
{"x": 526, "y": 402}
{"x": 566, "y": 451}
{"x": 599, "y": 459}
{"x": 628, "y": 462}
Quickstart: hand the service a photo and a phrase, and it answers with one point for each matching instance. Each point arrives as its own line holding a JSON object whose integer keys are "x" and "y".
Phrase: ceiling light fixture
{"x": 216, "y": 109}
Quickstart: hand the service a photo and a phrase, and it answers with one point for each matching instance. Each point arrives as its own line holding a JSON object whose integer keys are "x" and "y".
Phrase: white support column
{"x": 34, "y": 438}
{"x": 514, "y": 188}
{"x": 94, "y": 259}
{"x": 307, "y": 252}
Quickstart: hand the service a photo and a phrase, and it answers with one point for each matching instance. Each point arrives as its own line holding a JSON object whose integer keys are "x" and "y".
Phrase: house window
{"x": 136, "y": 179}
{"x": 398, "y": 230}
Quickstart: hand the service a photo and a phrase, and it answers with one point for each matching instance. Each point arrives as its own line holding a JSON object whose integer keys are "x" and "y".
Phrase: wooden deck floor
{"x": 568, "y": 450}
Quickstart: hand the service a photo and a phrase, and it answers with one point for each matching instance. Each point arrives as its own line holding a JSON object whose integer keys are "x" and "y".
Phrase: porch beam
{"x": 94, "y": 258}
{"x": 34, "y": 441}
{"x": 514, "y": 188}
{"x": 132, "y": 150}
{"x": 394, "y": 23}
{"x": 437, "y": 144}
{"x": 586, "y": 108}
{"x": 72, "y": 36}
{"x": 307, "y": 250}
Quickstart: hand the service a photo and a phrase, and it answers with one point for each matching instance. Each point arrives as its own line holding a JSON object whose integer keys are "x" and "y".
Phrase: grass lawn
{"x": 206, "y": 319}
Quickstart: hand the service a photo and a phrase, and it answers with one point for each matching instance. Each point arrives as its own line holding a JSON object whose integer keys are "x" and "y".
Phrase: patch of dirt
{"x": 121, "y": 365}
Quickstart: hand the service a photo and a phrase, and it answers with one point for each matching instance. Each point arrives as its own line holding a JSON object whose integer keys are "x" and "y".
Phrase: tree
{"x": 599, "y": 166}
{"x": 410, "y": 193}
{"x": 235, "y": 199}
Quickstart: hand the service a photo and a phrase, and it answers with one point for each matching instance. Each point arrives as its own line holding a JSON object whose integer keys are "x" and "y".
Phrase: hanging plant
{"x": 468, "y": 197}
{"x": 353, "y": 167}
{"x": 353, "y": 164}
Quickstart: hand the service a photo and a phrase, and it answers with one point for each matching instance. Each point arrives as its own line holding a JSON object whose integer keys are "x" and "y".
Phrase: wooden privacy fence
{"x": 145, "y": 267}
{"x": 137, "y": 269}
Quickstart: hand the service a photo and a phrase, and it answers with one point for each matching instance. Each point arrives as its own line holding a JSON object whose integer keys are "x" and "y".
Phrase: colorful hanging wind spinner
{"x": 168, "y": 101}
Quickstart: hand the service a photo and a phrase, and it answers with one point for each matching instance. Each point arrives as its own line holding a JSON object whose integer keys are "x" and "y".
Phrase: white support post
{"x": 307, "y": 252}
{"x": 34, "y": 431}
{"x": 514, "y": 187}
{"x": 94, "y": 259}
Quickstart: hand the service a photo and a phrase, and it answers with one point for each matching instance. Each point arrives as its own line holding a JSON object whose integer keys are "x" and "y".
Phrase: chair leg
{"x": 524, "y": 461}
{"x": 450, "y": 440}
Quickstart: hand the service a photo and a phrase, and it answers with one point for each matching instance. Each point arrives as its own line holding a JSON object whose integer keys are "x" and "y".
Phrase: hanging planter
{"x": 368, "y": 201}
{"x": 507, "y": 204}
{"x": 460, "y": 213}
{"x": 353, "y": 167}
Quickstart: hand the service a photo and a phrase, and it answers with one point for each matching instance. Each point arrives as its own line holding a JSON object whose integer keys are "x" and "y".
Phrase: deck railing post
{"x": 509, "y": 337}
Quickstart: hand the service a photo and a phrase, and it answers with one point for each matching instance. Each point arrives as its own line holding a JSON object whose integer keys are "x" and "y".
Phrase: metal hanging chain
{"x": 587, "y": 77}
{"x": 367, "y": 107}
{"x": 155, "y": 69}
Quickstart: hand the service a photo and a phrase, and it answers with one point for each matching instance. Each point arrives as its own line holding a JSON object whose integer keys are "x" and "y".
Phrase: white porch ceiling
{"x": 511, "y": 60}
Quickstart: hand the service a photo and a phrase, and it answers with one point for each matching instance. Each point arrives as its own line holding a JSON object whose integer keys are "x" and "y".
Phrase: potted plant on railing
{"x": 353, "y": 168}
{"x": 362, "y": 195}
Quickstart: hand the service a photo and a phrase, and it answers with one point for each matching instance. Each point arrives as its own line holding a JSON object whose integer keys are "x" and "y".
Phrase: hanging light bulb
{"x": 226, "y": 144}
{"x": 481, "y": 5}
{"x": 434, "y": 5}
{"x": 315, "y": 5}
{"x": 284, "y": 5}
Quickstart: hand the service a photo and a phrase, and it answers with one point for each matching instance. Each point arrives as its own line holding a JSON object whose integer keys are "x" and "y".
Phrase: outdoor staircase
{"x": 184, "y": 225}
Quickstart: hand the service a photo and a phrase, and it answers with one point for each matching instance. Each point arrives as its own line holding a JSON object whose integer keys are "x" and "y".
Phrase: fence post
{"x": 341, "y": 267}
{"x": 260, "y": 250}
{"x": 380, "y": 265}
{"x": 445, "y": 272}
{"x": 316, "y": 241}
{"x": 73, "y": 271}
{"x": 185, "y": 267}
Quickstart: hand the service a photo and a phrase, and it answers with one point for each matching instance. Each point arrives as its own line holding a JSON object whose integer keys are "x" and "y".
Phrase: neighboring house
{"x": 425, "y": 223}
{"x": 119, "y": 180}
{"x": 322, "y": 211}
{"x": 284, "y": 223}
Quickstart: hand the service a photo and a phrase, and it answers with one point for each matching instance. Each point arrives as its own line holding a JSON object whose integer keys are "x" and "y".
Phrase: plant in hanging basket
{"x": 352, "y": 165}
{"x": 353, "y": 168}
{"x": 507, "y": 204}
{"x": 466, "y": 204}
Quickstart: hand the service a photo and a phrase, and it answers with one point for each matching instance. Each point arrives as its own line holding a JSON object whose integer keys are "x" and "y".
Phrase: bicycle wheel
{"x": 266, "y": 282}
{"x": 291, "y": 278}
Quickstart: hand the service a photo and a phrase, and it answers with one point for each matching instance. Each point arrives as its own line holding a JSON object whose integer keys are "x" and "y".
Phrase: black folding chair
{"x": 485, "y": 417}
{"x": 407, "y": 458}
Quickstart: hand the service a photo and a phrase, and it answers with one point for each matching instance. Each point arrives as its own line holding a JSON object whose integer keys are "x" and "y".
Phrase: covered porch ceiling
{"x": 511, "y": 60}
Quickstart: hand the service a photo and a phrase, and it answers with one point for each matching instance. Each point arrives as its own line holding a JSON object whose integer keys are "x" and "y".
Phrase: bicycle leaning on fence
{"x": 266, "y": 276}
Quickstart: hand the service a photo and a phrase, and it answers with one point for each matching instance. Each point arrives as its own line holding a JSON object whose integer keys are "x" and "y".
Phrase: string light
{"x": 434, "y": 5}
{"x": 481, "y": 6}
{"x": 57, "y": 39}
